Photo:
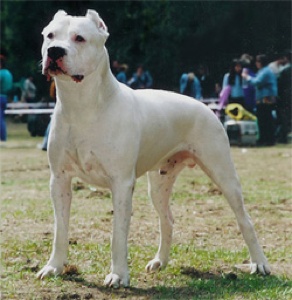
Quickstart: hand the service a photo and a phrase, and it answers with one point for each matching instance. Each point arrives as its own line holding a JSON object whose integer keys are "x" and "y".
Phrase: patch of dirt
{"x": 79, "y": 185}
{"x": 70, "y": 270}
{"x": 194, "y": 273}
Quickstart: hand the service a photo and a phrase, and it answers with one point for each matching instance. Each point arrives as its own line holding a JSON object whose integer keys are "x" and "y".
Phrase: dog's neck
{"x": 87, "y": 94}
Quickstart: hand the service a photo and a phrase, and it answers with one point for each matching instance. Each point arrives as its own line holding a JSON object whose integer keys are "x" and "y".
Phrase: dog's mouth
{"x": 54, "y": 68}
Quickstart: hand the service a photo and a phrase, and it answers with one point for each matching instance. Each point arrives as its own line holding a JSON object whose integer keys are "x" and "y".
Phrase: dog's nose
{"x": 56, "y": 52}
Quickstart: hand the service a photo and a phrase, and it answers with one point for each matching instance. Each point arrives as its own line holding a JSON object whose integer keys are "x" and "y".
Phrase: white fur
{"x": 108, "y": 135}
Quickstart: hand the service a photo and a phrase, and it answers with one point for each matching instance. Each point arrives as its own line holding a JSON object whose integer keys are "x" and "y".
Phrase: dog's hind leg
{"x": 61, "y": 197}
{"x": 216, "y": 161}
{"x": 159, "y": 189}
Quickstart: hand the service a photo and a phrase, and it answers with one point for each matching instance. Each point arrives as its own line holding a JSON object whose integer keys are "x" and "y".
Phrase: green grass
{"x": 207, "y": 244}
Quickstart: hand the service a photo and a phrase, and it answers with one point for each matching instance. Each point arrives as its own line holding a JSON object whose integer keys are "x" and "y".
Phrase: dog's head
{"x": 73, "y": 46}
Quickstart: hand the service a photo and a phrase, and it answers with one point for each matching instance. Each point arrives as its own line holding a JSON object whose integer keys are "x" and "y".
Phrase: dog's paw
{"x": 262, "y": 268}
{"x": 49, "y": 270}
{"x": 259, "y": 264}
{"x": 154, "y": 265}
{"x": 116, "y": 281}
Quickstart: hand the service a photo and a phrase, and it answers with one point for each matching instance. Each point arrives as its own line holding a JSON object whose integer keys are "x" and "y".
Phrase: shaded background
{"x": 169, "y": 37}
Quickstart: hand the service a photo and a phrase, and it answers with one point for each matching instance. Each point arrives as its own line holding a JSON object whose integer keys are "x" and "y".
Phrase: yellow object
{"x": 238, "y": 113}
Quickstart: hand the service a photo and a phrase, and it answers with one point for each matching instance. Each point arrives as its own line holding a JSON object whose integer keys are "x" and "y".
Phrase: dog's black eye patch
{"x": 50, "y": 35}
{"x": 79, "y": 38}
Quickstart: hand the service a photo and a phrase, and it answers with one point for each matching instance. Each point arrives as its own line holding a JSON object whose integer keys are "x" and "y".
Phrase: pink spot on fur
{"x": 183, "y": 157}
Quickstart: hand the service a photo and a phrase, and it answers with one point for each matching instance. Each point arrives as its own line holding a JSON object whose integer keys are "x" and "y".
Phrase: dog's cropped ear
{"x": 94, "y": 16}
{"x": 59, "y": 14}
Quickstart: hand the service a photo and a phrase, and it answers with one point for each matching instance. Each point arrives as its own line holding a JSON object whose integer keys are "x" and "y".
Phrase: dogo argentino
{"x": 108, "y": 135}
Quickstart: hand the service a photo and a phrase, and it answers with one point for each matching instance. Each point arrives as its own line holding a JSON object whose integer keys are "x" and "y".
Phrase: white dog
{"x": 108, "y": 135}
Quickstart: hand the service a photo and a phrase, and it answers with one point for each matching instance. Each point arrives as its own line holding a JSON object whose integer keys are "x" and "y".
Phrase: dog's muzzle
{"x": 55, "y": 65}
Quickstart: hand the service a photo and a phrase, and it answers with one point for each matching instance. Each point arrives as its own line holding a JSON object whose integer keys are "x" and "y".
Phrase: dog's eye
{"x": 50, "y": 35}
{"x": 79, "y": 38}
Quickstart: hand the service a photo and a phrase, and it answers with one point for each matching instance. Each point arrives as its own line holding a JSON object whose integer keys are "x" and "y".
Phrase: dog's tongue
{"x": 77, "y": 78}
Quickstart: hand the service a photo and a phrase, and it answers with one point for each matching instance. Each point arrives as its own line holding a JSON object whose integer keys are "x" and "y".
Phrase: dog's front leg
{"x": 61, "y": 195}
{"x": 122, "y": 203}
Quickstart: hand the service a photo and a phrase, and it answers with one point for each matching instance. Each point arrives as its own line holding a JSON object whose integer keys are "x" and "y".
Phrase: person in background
{"x": 217, "y": 90}
{"x": 141, "y": 79}
{"x": 29, "y": 90}
{"x": 248, "y": 90}
{"x": 279, "y": 64}
{"x": 284, "y": 101}
{"x": 6, "y": 84}
{"x": 190, "y": 86}
{"x": 115, "y": 66}
{"x": 233, "y": 79}
{"x": 265, "y": 83}
{"x": 122, "y": 76}
{"x": 206, "y": 81}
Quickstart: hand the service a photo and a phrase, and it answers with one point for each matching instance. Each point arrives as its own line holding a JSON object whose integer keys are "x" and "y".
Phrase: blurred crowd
{"x": 262, "y": 87}
{"x": 260, "y": 84}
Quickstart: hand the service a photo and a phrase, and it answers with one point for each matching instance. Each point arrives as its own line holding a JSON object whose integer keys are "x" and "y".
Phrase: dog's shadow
{"x": 202, "y": 285}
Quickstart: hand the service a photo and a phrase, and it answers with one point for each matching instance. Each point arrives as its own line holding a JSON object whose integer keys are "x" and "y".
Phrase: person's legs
{"x": 283, "y": 124}
{"x": 266, "y": 124}
{"x": 3, "y": 131}
{"x": 46, "y": 137}
{"x": 269, "y": 125}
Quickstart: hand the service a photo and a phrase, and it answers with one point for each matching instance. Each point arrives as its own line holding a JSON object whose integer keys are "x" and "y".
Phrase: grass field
{"x": 207, "y": 245}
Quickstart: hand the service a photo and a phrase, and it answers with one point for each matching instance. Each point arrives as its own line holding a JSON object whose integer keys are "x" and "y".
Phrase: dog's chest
{"x": 86, "y": 165}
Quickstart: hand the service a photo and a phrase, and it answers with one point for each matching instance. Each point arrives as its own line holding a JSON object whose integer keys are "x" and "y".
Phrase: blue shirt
{"x": 195, "y": 90}
{"x": 265, "y": 83}
{"x": 236, "y": 88}
{"x": 6, "y": 81}
{"x": 121, "y": 77}
{"x": 144, "y": 81}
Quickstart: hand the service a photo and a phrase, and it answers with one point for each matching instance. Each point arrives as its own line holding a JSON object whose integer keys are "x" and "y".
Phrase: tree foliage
{"x": 169, "y": 37}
